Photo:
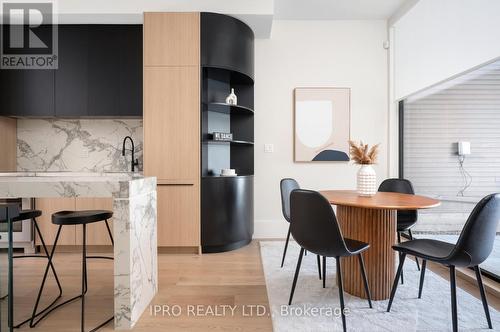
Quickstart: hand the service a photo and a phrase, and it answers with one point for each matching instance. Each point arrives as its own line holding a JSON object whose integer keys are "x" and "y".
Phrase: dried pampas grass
{"x": 362, "y": 154}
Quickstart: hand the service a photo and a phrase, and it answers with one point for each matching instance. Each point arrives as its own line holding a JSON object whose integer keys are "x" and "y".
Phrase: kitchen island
{"x": 134, "y": 227}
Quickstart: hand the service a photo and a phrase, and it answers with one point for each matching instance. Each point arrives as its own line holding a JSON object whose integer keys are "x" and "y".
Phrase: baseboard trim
{"x": 270, "y": 229}
{"x": 491, "y": 286}
{"x": 180, "y": 250}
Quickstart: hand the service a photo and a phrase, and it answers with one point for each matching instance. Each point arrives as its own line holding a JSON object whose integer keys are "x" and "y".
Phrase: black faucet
{"x": 135, "y": 162}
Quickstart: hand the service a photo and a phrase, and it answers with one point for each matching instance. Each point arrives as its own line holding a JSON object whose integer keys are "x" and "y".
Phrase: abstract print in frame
{"x": 322, "y": 124}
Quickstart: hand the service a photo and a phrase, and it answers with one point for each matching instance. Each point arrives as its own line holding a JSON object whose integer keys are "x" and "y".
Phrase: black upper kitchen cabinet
{"x": 11, "y": 91}
{"x": 71, "y": 78}
{"x": 103, "y": 70}
{"x": 99, "y": 75}
{"x": 130, "y": 71}
{"x": 28, "y": 92}
{"x": 115, "y": 70}
{"x": 38, "y": 93}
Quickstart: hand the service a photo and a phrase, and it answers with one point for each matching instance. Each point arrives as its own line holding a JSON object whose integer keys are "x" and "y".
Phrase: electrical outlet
{"x": 268, "y": 148}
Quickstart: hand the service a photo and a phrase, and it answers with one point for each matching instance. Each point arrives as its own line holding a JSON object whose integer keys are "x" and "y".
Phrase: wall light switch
{"x": 268, "y": 148}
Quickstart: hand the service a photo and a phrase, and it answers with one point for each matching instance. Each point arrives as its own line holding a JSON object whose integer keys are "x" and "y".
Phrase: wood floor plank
{"x": 232, "y": 278}
{"x": 226, "y": 279}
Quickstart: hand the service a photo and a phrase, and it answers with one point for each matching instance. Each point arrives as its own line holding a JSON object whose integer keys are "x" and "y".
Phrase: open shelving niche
{"x": 217, "y": 116}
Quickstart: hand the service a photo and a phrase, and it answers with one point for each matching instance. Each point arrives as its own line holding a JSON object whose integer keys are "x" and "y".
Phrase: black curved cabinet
{"x": 227, "y": 43}
{"x": 227, "y": 208}
{"x": 227, "y": 62}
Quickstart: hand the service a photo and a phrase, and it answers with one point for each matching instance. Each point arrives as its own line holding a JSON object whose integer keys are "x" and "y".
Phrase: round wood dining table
{"x": 372, "y": 220}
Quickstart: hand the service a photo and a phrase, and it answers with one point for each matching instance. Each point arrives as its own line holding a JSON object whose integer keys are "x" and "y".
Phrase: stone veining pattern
{"x": 77, "y": 145}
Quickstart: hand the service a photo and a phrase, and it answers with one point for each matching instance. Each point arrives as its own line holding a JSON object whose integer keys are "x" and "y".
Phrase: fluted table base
{"x": 378, "y": 228}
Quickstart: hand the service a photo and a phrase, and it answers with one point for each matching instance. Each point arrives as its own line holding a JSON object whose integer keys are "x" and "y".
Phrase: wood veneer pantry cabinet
{"x": 172, "y": 123}
{"x": 8, "y": 148}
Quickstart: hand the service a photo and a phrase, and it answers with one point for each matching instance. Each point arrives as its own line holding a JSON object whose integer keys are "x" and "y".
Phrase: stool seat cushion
{"x": 80, "y": 217}
{"x": 25, "y": 214}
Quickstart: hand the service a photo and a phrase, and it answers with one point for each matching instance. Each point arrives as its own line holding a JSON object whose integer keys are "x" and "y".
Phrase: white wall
{"x": 314, "y": 54}
{"x": 438, "y": 39}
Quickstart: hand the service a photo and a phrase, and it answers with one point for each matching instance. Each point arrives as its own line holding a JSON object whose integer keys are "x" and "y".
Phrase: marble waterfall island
{"x": 134, "y": 227}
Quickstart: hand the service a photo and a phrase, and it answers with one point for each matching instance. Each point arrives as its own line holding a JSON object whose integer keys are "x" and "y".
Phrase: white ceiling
{"x": 258, "y": 14}
{"x": 336, "y": 9}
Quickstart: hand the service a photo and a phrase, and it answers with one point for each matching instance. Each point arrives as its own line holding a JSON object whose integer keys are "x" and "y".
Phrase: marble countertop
{"x": 74, "y": 184}
{"x": 120, "y": 176}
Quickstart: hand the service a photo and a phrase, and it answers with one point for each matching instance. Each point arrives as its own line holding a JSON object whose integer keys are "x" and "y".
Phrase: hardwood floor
{"x": 232, "y": 279}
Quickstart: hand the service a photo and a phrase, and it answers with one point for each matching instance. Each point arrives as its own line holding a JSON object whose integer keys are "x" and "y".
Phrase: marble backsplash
{"x": 77, "y": 145}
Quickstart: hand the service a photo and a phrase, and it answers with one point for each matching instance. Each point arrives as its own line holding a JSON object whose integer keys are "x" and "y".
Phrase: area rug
{"x": 317, "y": 309}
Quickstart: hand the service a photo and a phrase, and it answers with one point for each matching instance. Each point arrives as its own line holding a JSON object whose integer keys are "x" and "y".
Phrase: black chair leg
{"x": 483, "y": 295}
{"x": 341, "y": 291}
{"x": 84, "y": 276}
{"x": 109, "y": 232}
{"x": 46, "y": 312}
{"x": 324, "y": 271}
{"x": 416, "y": 259}
{"x": 286, "y": 246}
{"x": 296, "y": 275}
{"x": 10, "y": 277}
{"x": 47, "y": 254}
{"x": 422, "y": 275}
{"x": 46, "y": 251}
{"x": 319, "y": 265}
{"x": 365, "y": 279}
{"x": 453, "y": 287}
{"x": 402, "y": 274}
{"x": 35, "y": 308}
{"x": 396, "y": 280}
{"x": 399, "y": 241}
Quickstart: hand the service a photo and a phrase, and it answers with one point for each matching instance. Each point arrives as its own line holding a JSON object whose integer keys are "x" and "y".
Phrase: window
{"x": 465, "y": 109}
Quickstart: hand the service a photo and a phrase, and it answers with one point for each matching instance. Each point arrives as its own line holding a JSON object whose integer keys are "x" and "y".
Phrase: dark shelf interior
{"x": 229, "y": 109}
{"x": 236, "y": 76}
{"x": 232, "y": 142}
{"x": 217, "y": 177}
{"x": 221, "y": 117}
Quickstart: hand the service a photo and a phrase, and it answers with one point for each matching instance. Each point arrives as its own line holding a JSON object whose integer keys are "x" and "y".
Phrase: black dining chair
{"x": 315, "y": 228}
{"x": 288, "y": 185}
{"x": 472, "y": 248}
{"x": 405, "y": 219}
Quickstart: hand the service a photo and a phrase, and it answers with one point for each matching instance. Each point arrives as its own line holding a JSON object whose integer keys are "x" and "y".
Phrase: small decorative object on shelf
{"x": 228, "y": 172}
{"x": 362, "y": 155}
{"x": 232, "y": 99}
{"x": 217, "y": 136}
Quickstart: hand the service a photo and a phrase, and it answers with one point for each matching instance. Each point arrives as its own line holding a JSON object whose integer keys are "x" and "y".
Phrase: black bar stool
{"x": 66, "y": 218}
{"x": 27, "y": 215}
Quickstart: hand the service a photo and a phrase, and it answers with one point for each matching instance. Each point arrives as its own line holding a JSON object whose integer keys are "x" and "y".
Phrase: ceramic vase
{"x": 367, "y": 181}
{"x": 232, "y": 99}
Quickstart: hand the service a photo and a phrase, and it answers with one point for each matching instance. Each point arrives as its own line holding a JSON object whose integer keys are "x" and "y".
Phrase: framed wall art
{"x": 322, "y": 124}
